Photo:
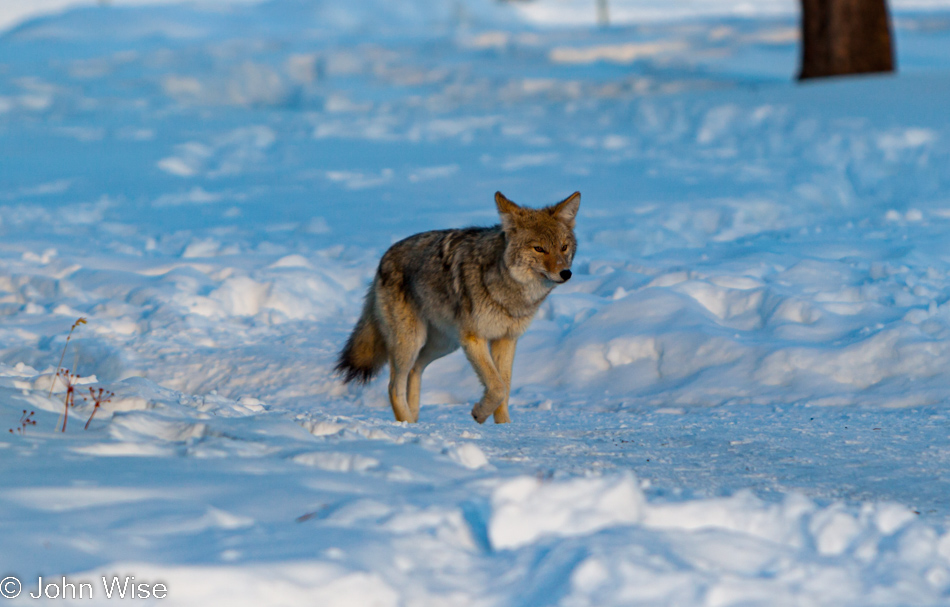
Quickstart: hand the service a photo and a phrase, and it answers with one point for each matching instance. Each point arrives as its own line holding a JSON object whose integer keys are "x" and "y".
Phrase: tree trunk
{"x": 603, "y": 13}
{"x": 842, "y": 37}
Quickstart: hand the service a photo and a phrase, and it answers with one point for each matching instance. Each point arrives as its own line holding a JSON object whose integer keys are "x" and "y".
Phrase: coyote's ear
{"x": 506, "y": 210}
{"x": 566, "y": 210}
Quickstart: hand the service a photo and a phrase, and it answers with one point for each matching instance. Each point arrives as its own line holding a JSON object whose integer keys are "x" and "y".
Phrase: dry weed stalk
{"x": 102, "y": 397}
{"x": 26, "y": 419}
{"x": 70, "y": 401}
{"x": 79, "y": 321}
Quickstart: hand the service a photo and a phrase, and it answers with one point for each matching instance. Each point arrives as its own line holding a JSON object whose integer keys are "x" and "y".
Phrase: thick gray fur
{"x": 474, "y": 288}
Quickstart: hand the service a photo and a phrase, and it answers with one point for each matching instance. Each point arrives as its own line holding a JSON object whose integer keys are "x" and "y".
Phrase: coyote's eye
{"x": 563, "y": 248}
{"x": 540, "y": 249}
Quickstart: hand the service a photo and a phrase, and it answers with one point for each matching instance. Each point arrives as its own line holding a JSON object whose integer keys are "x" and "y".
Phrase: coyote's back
{"x": 475, "y": 288}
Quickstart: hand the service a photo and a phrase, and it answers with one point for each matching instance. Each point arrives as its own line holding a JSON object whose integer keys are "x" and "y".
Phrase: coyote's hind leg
{"x": 405, "y": 334}
{"x": 399, "y": 368}
{"x": 437, "y": 346}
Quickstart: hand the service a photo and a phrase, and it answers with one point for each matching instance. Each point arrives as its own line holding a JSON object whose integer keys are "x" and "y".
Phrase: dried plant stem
{"x": 70, "y": 399}
{"x": 98, "y": 399}
{"x": 80, "y": 321}
{"x": 88, "y": 421}
{"x": 26, "y": 419}
{"x": 65, "y": 414}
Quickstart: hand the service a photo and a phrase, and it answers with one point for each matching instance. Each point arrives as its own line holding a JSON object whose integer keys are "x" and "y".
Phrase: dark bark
{"x": 842, "y": 37}
{"x": 603, "y": 13}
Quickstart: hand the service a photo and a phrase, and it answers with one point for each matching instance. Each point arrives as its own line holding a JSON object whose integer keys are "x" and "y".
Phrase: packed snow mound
{"x": 295, "y": 583}
{"x": 736, "y": 550}
{"x": 588, "y": 541}
{"x": 527, "y": 508}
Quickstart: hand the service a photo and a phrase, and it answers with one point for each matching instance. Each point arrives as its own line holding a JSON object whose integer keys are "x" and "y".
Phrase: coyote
{"x": 477, "y": 288}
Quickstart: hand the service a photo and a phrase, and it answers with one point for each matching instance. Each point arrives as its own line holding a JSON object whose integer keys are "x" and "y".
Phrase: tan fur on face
{"x": 551, "y": 228}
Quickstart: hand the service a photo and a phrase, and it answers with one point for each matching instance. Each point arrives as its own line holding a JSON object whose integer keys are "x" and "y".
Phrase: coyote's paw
{"x": 479, "y": 417}
{"x": 487, "y": 406}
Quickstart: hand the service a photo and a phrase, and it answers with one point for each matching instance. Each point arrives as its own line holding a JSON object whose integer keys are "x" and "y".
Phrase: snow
{"x": 738, "y": 399}
{"x": 575, "y": 12}
{"x": 526, "y": 509}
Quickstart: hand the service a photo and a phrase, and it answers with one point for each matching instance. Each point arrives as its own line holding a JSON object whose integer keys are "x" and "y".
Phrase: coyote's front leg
{"x": 477, "y": 352}
{"x": 503, "y": 353}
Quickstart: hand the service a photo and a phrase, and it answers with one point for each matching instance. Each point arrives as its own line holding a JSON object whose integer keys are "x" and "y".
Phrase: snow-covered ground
{"x": 739, "y": 399}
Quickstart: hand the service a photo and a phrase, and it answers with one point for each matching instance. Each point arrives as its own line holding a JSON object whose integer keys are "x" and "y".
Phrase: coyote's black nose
{"x": 565, "y": 274}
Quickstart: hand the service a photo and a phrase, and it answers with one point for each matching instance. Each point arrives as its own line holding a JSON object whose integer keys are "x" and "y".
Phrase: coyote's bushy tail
{"x": 365, "y": 351}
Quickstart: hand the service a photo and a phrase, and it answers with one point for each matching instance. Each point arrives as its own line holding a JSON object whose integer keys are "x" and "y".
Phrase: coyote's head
{"x": 540, "y": 242}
